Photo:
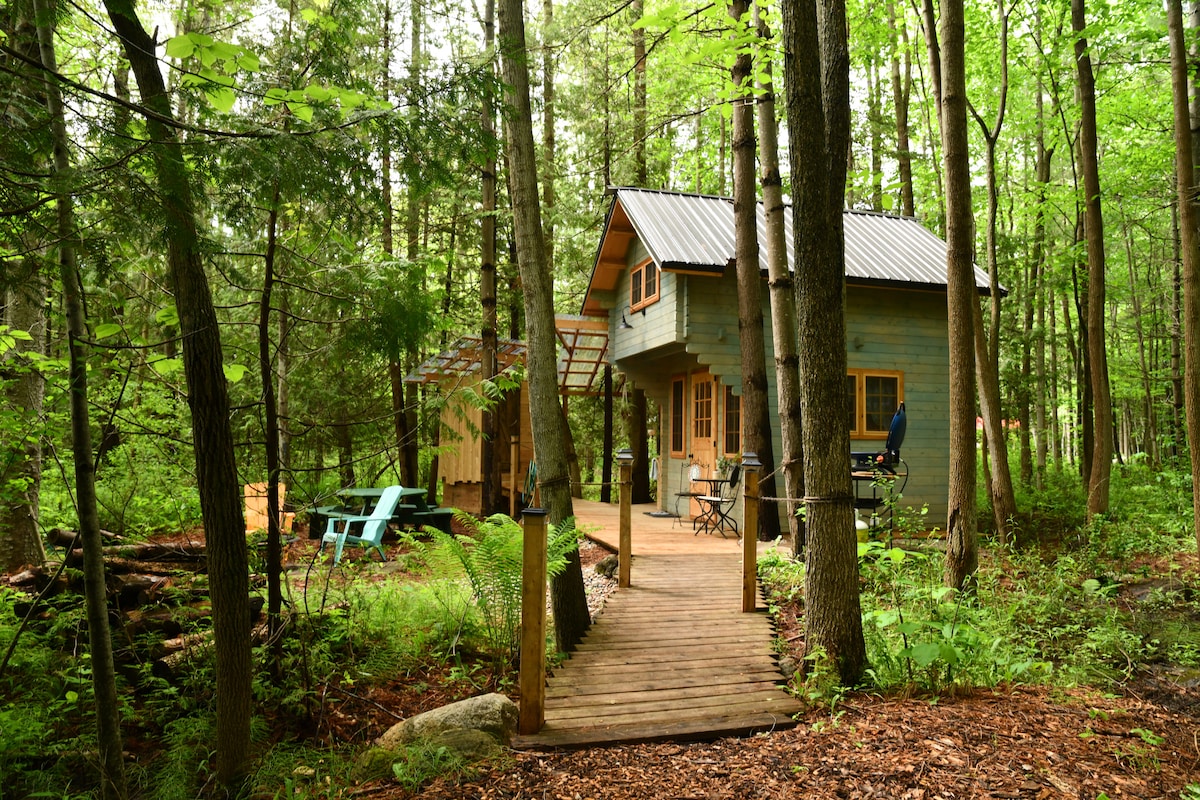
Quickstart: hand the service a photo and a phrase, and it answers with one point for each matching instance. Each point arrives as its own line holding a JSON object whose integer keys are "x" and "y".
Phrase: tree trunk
{"x": 1102, "y": 439}
{"x": 550, "y": 433}
{"x": 216, "y": 469}
{"x": 490, "y": 465}
{"x": 756, "y": 412}
{"x": 1190, "y": 241}
{"x": 962, "y": 546}
{"x": 23, "y": 292}
{"x": 901, "y": 92}
{"x": 782, "y": 297}
{"x": 817, "y": 83}
{"x": 271, "y": 438}
{"x": 104, "y": 682}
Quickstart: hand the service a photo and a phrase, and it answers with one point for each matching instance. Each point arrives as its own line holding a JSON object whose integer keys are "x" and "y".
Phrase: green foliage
{"x": 418, "y": 763}
{"x": 924, "y": 635}
{"x": 490, "y": 561}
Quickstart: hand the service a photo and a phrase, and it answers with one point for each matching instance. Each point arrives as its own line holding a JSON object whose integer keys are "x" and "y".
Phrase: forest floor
{"x": 1023, "y": 742}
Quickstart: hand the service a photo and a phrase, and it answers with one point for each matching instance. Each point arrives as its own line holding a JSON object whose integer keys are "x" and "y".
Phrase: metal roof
{"x": 690, "y": 232}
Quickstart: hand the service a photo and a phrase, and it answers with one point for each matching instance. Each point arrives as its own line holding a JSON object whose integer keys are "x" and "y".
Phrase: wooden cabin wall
{"x": 886, "y": 329}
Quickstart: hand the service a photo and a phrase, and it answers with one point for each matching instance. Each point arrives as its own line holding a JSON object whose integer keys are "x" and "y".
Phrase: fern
{"x": 490, "y": 559}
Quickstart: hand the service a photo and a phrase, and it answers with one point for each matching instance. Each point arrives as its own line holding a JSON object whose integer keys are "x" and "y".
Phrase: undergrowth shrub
{"x": 489, "y": 560}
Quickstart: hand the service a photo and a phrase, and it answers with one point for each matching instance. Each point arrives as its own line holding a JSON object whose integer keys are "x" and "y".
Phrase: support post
{"x": 514, "y": 468}
{"x": 750, "y": 468}
{"x": 625, "y": 556}
{"x": 532, "y": 674}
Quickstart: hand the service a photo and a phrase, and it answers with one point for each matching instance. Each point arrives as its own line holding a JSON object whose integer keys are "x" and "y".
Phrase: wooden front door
{"x": 705, "y": 433}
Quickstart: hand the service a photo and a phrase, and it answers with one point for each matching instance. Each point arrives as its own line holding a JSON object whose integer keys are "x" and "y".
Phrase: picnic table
{"x": 412, "y": 510}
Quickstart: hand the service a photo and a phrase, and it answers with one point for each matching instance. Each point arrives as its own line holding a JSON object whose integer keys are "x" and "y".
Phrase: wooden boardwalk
{"x": 671, "y": 657}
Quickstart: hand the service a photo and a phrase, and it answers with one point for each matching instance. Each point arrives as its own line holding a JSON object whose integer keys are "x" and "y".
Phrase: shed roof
{"x": 583, "y": 348}
{"x": 694, "y": 233}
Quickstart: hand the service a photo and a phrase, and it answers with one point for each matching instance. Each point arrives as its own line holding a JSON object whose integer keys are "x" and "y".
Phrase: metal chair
{"x": 716, "y": 506}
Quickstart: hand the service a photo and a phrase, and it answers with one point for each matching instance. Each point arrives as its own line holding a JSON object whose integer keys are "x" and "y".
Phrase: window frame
{"x": 678, "y": 415}
{"x": 638, "y": 282}
{"x": 728, "y": 430}
{"x": 860, "y": 430}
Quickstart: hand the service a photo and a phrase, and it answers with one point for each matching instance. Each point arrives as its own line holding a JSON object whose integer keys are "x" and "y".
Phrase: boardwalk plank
{"x": 671, "y": 657}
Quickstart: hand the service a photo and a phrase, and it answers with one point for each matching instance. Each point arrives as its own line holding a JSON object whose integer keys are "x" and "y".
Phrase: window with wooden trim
{"x": 678, "y": 428}
{"x": 643, "y": 285}
{"x": 733, "y": 423}
{"x": 872, "y": 397}
{"x": 702, "y": 409}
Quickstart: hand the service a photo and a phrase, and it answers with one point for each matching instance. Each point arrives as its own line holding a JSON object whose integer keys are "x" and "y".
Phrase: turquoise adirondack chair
{"x": 374, "y": 526}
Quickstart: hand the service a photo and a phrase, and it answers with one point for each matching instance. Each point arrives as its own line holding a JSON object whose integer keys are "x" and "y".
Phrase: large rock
{"x": 493, "y": 714}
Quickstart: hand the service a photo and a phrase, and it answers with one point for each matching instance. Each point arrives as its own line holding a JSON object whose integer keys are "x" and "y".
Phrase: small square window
{"x": 643, "y": 285}
{"x": 872, "y": 397}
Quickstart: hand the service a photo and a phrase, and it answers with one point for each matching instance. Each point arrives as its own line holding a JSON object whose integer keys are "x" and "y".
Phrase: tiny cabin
{"x": 664, "y": 279}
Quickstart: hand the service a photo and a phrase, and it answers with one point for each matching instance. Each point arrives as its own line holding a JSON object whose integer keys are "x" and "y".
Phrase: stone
{"x": 787, "y": 666}
{"x": 607, "y": 566}
{"x": 493, "y": 714}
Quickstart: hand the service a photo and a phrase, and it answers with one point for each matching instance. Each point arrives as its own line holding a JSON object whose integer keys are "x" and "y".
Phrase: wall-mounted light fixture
{"x": 625, "y": 326}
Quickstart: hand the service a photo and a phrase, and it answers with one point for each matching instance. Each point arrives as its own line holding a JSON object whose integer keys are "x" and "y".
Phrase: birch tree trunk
{"x": 782, "y": 296}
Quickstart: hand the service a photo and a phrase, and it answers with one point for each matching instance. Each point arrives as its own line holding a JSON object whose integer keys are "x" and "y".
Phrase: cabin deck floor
{"x": 672, "y": 656}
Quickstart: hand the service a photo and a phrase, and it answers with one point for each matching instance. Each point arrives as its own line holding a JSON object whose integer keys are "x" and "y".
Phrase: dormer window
{"x": 643, "y": 288}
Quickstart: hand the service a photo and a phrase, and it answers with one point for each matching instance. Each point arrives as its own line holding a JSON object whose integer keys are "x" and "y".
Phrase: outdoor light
{"x": 625, "y": 326}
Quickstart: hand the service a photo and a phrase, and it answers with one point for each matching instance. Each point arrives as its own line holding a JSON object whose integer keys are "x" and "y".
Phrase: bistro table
{"x": 712, "y": 517}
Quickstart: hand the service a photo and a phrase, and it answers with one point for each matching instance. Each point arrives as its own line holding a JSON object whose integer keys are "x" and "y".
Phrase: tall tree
{"x": 782, "y": 293}
{"x": 987, "y": 342}
{"x": 550, "y": 432}
{"x": 489, "y": 464}
{"x": 104, "y": 678}
{"x": 1102, "y": 440}
{"x": 962, "y": 546}
{"x": 756, "y": 412}
{"x": 208, "y": 399}
{"x": 1189, "y": 220}
{"x": 23, "y": 291}
{"x": 817, "y": 78}
{"x": 901, "y": 92}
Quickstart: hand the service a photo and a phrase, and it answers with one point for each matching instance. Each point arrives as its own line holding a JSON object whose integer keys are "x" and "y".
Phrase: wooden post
{"x": 750, "y": 468}
{"x": 532, "y": 676}
{"x": 625, "y": 556}
{"x": 514, "y": 468}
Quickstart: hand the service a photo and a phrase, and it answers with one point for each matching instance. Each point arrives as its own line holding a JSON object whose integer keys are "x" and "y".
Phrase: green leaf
{"x": 167, "y": 316}
{"x": 302, "y": 110}
{"x": 234, "y": 372}
{"x": 72, "y": 696}
{"x": 222, "y": 99}
{"x": 318, "y": 93}
{"x": 909, "y": 628}
{"x": 180, "y": 47}
{"x": 249, "y": 62}
{"x": 201, "y": 39}
{"x": 24, "y": 336}
{"x": 106, "y": 329}
{"x": 926, "y": 654}
{"x": 274, "y": 96}
{"x": 309, "y": 15}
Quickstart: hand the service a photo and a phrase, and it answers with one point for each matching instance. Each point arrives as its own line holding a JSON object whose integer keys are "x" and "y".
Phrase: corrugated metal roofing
{"x": 695, "y": 233}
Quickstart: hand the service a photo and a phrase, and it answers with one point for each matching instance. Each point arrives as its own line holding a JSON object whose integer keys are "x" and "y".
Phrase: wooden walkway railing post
{"x": 750, "y": 465}
{"x": 625, "y": 554}
{"x": 532, "y": 675}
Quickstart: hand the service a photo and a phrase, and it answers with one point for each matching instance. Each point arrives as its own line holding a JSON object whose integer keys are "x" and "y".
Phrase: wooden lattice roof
{"x": 583, "y": 348}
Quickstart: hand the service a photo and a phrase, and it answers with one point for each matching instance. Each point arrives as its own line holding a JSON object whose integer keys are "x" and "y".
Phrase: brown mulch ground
{"x": 1026, "y": 743}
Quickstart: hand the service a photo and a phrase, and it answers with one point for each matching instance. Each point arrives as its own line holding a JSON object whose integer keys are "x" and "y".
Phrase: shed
{"x": 457, "y": 374}
{"x": 663, "y": 279}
